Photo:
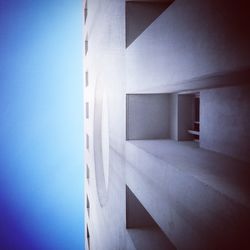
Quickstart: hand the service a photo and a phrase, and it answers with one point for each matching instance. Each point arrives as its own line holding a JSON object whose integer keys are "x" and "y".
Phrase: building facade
{"x": 167, "y": 124}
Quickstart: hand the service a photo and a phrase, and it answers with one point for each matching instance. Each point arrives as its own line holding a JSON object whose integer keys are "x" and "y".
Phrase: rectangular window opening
{"x": 189, "y": 117}
{"x": 85, "y": 11}
{"x": 88, "y": 206}
{"x": 88, "y": 237}
{"x": 86, "y": 46}
{"x": 87, "y": 141}
{"x": 87, "y": 172}
{"x": 87, "y": 110}
{"x": 86, "y": 79}
{"x": 195, "y": 130}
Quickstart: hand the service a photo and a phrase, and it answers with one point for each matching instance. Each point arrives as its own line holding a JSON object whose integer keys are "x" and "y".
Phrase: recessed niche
{"x": 88, "y": 238}
{"x": 86, "y": 46}
{"x": 87, "y": 172}
{"x": 142, "y": 228}
{"x": 86, "y": 78}
{"x": 85, "y": 11}
{"x": 87, "y": 141}
{"x": 147, "y": 116}
{"x": 88, "y": 206}
{"x": 189, "y": 116}
{"x": 87, "y": 110}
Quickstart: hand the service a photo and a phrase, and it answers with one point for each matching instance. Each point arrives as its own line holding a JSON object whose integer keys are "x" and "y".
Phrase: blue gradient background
{"x": 41, "y": 134}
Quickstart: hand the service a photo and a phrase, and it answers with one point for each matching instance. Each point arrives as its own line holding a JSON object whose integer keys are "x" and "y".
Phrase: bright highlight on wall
{"x": 41, "y": 105}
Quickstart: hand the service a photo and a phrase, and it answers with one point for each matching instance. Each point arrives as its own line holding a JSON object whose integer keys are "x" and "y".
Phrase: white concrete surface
{"x": 225, "y": 121}
{"x": 198, "y": 198}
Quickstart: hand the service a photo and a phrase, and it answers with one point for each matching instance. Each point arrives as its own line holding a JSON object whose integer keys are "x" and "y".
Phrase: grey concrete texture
{"x": 136, "y": 215}
{"x": 149, "y": 238}
{"x": 200, "y": 199}
{"x": 173, "y": 116}
{"x": 159, "y": 116}
{"x": 147, "y": 13}
{"x": 225, "y": 121}
{"x": 190, "y": 40}
{"x": 143, "y": 230}
{"x": 98, "y": 146}
{"x": 106, "y": 227}
{"x": 147, "y": 116}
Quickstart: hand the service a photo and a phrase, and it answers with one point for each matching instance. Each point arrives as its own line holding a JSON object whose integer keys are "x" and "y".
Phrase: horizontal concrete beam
{"x": 206, "y": 203}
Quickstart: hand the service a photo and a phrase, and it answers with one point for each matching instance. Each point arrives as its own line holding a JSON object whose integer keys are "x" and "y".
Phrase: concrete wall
{"x": 142, "y": 229}
{"x": 225, "y": 121}
{"x": 136, "y": 215}
{"x": 190, "y": 39}
{"x": 147, "y": 116}
{"x": 105, "y": 64}
{"x": 194, "y": 195}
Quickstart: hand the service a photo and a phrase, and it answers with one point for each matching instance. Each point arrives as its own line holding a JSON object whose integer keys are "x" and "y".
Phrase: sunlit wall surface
{"x": 41, "y": 127}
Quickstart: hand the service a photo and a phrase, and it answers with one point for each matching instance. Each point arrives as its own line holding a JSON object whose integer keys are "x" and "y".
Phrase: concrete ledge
{"x": 215, "y": 80}
{"x": 197, "y": 197}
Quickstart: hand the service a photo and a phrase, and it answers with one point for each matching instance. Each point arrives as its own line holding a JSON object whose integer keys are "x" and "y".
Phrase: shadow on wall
{"x": 143, "y": 230}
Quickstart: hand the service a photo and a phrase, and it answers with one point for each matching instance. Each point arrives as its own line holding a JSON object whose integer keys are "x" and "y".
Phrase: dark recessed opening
{"x": 87, "y": 110}
{"x": 88, "y": 206}
{"x": 86, "y": 79}
{"x": 85, "y": 11}
{"x": 88, "y": 237}
{"x": 87, "y": 172}
{"x": 189, "y": 117}
{"x": 196, "y": 125}
{"x": 86, "y": 46}
{"x": 87, "y": 141}
{"x": 195, "y": 129}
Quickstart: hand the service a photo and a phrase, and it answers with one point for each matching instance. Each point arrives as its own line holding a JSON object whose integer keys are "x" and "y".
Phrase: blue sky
{"x": 41, "y": 135}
